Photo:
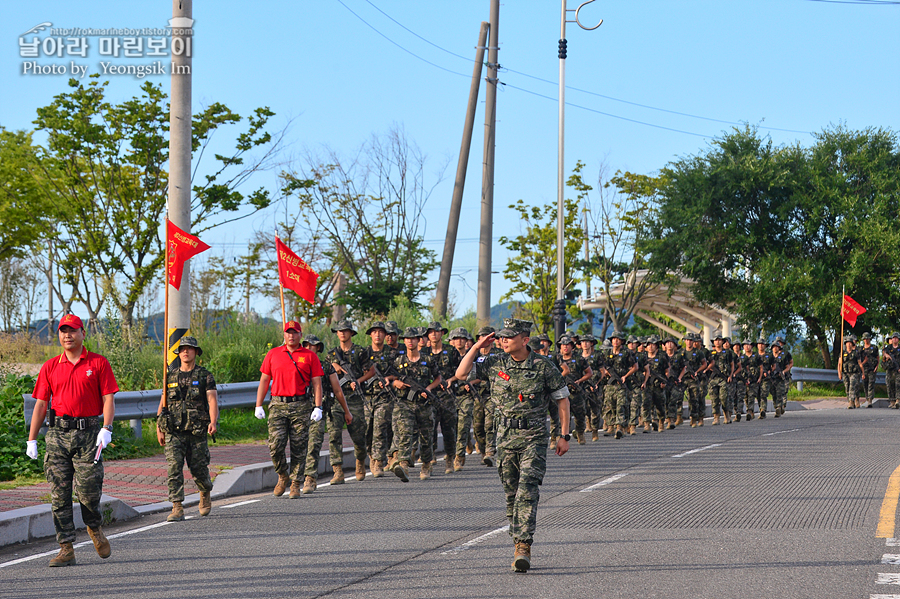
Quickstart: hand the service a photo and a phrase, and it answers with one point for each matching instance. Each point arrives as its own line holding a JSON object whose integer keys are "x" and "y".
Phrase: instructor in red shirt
{"x": 295, "y": 375}
{"x": 79, "y": 389}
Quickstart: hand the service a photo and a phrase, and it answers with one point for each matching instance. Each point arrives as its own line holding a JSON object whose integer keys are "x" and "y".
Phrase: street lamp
{"x": 559, "y": 307}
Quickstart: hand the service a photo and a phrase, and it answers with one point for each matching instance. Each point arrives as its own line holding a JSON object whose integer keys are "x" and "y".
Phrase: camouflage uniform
{"x": 355, "y": 401}
{"x": 577, "y": 367}
{"x": 635, "y": 400}
{"x": 850, "y": 373}
{"x": 780, "y": 382}
{"x": 693, "y": 359}
{"x": 317, "y": 429}
{"x": 891, "y": 365}
{"x": 483, "y": 415}
{"x": 654, "y": 407}
{"x": 720, "y": 372}
{"x": 69, "y": 453}
{"x": 594, "y": 393}
{"x": 751, "y": 365}
{"x": 186, "y": 428}
{"x": 379, "y": 402}
{"x": 870, "y": 355}
{"x": 522, "y": 392}
{"x": 445, "y": 416}
{"x": 675, "y": 396}
{"x": 618, "y": 364}
{"x": 413, "y": 416}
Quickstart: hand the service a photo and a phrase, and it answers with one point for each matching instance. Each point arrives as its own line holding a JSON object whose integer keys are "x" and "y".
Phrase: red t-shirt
{"x": 286, "y": 380}
{"x": 76, "y": 389}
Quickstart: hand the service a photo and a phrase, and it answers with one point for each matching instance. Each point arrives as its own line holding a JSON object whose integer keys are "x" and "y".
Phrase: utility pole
{"x": 443, "y": 288}
{"x": 483, "y": 303}
{"x": 559, "y": 306}
{"x": 179, "y": 204}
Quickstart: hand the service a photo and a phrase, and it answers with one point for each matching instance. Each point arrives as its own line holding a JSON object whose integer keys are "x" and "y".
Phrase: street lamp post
{"x": 559, "y": 307}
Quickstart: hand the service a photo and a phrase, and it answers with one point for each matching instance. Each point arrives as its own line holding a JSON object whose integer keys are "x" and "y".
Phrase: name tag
{"x": 172, "y": 385}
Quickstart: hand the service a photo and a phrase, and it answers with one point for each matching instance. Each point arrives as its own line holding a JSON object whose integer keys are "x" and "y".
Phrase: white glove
{"x": 260, "y": 413}
{"x": 103, "y": 438}
{"x": 316, "y": 414}
{"x": 31, "y": 450}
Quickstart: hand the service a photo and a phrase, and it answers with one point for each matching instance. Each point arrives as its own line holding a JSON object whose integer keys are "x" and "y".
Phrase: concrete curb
{"x": 29, "y": 524}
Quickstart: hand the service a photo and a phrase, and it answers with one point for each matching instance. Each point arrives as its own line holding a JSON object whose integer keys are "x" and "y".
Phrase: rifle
{"x": 349, "y": 376}
{"x": 385, "y": 384}
{"x": 474, "y": 390}
{"x": 662, "y": 380}
{"x": 891, "y": 358}
{"x": 417, "y": 387}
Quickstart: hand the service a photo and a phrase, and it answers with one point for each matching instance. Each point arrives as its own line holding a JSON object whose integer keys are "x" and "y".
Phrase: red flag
{"x": 295, "y": 274}
{"x": 850, "y": 310}
{"x": 180, "y": 247}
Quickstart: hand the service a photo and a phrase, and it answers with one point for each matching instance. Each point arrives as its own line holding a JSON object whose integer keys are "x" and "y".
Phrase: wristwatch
{"x": 567, "y": 437}
{"x": 108, "y": 427}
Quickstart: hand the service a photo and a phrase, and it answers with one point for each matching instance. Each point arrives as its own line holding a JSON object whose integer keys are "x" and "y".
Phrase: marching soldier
{"x": 191, "y": 412}
{"x": 77, "y": 389}
{"x": 751, "y": 369}
{"x": 295, "y": 375}
{"x": 890, "y": 360}
{"x": 765, "y": 385}
{"x": 619, "y": 365}
{"x": 578, "y": 372}
{"x": 446, "y": 359}
{"x": 593, "y": 391}
{"x": 736, "y": 399}
{"x": 483, "y": 415}
{"x": 347, "y": 361}
{"x": 654, "y": 387}
{"x": 675, "y": 396}
{"x": 721, "y": 369}
{"x": 694, "y": 364}
{"x": 850, "y": 366}
{"x": 869, "y": 352}
{"x": 633, "y": 386}
{"x": 379, "y": 396}
{"x": 465, "y": 404}
{"x": 331, "y": 390}
{"x": 782, "y": 362}
{"x": 416, "y": 377}
{"x": 523, "y": 383}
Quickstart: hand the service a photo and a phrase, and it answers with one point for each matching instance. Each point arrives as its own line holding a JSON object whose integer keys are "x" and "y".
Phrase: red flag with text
{"x": 180, "y": 247}
{"x": 850, "y": 310}
{"x": 295, "y": 274}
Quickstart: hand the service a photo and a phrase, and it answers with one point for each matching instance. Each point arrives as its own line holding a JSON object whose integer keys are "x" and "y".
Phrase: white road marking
{"x": 85, "y": 543}
{"x": 887, "y": 578}
{"x": 225, "y": 507}
{"x": 475, "y": 541}
{"x": 889, "y": 558}
{"x": 604, "y": 482}
{"x": 681, "y": 455}
{"x": 892, "y": 542}
{"x": 884, "y": 596}
{"x": 793, "y": 430}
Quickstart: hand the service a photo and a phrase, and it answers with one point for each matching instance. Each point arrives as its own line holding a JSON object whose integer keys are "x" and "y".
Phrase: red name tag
{"x": 503, "y": 375}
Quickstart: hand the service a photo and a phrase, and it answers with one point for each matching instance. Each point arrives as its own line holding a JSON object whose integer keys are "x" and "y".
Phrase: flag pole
{"x": 165, "y": 343}
{"x": 280, "y": 286}
{"x": 843, "y": 294}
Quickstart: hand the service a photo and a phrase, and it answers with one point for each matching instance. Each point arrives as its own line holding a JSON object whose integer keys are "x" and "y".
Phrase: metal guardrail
{"x": 135, "y": 406}
{"x": 821, "y": 375}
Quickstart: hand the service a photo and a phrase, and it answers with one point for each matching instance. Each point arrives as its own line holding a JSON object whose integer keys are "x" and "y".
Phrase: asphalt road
{"x": 784, "y": 507}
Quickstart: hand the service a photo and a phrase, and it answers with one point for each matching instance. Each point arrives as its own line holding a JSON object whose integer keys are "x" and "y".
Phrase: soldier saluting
{"x": 523, "y": 383}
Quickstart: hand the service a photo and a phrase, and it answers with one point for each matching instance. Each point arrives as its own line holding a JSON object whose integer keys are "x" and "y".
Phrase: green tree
{"x": 24, "y": 210}
{"x": 104, "y": 163}
{"x": 532, "y": 266}
{"x": 775, "y": 232}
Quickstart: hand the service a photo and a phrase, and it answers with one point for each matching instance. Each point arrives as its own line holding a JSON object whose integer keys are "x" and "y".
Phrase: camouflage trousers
{"x": 736, "y": 396}
{"x": 382, "y": 411}
{"x": 181, "y": 447}
{"x": 696, "y": 402}
{"x": 868, "y": 385}
{"x": 635, "y": 401}
{"x": 445, "y": 417}
{"x": 521, "y": 473}
{"x": 675, "y": 401}
{"x": 617, "y": 396}
{"x": 718, "y": 395}
{"x": 851, "y": 386}
{"x": 483, "y": 424}
{"x": 413, "y": 422}
{"x": 464, "y": 414}
{"x": 576, "y": 409}
{"x": 751, "y": 395}
{"x": 654, "y": 406}
{"x": 70, "y": 454}
{"x": 779, "y": 392}
{"x": 765, "y": 389}
{"x": 314, "y": 446}
{"x": 289, "y": 423}
{"x": 594, "y": 406}
{"x": 890, "y": 380}
{"x": 357, "y": 430}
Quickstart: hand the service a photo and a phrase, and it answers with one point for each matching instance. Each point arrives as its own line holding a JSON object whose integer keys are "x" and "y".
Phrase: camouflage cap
{"x": 565, "y": 340}
{"x": 535, "y": 344}
{"x": 718, "y": 336}
{"x": 190, "y": 342}
{"x": 391, "y": 328}
{"x": 436, "y": 326}
{"x": 423, "y": 331}
{"x": 343, "y": 325}
{"x": 762, "y": 341}
{"x": 617, "y": 335}
{"x": 653, "y": 339}
{"x": 486, "y": 330}
{"x": 589, "y": 337}
{"x": 544, "y": 337}
{"x": 375, "y": 326}
{"x": 632, "y": 339}
{"x": 412, "y": 333}
{"x": 747, "y": 342}
{"x": 849, "y": 339}
{"x": 515, "y": 326}
{"x": 867, "y": 335}
{"x": 313, "y": 340}
{"x": 780, "y": 340}
{"x": 459, "y": 333}
{"x": 726, "y": 339}
{"x": 606, "y": 344}
{"x": 671, "y": 339}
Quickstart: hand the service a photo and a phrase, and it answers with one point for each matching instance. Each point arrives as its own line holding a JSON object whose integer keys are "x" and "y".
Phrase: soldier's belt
{"x": 521, "y": 423}
{"x": 68, "y": 423}
{"x": 290, "y": 398}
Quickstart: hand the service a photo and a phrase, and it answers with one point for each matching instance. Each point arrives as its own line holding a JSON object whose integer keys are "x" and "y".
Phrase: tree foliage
{"x": 776, "y": 232}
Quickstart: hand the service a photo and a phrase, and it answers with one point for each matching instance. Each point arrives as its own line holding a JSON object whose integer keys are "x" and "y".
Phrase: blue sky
{"x": 652, "y": 69}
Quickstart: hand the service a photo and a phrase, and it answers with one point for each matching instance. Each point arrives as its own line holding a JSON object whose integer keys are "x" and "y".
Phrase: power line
{"x": 605, "y": 97}
{"x": 869, "y": 2}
